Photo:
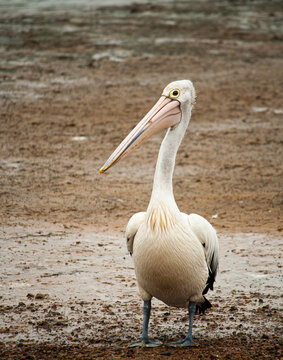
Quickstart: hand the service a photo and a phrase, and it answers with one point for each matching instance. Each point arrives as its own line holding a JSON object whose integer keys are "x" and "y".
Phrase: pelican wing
{"x": 208, "y": 238}
{"x": 132, "y": 228}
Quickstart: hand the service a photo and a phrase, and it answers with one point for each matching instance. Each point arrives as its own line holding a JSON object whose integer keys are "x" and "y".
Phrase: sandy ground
{"x": 74, "y": 81}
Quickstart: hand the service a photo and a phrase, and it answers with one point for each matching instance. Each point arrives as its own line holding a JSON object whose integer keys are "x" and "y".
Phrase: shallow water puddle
{"x": 258, "y": 109}
{"x": 79, "y": 138}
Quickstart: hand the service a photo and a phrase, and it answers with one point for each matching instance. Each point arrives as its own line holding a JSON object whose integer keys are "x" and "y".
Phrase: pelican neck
{"x": 163, "y": 178}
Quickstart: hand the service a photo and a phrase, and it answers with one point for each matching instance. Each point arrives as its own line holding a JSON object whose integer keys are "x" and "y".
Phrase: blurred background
{"x": 75, "y": 78}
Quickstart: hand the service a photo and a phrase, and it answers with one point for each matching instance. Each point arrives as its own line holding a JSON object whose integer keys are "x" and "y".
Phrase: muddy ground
{"x": 75, "y": 78}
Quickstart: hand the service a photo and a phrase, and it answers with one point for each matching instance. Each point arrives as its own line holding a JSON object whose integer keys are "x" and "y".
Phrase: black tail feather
{"x": 203, "y": 306}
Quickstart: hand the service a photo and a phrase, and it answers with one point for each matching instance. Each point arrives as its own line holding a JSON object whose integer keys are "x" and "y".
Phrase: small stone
{"x": 41, "y": 296}
{"x": 214, "y": 357}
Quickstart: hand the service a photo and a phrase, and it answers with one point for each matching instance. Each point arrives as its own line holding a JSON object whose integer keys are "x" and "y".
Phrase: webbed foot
{"x": 183, "y": 343}
{"x": 146, "y": 343}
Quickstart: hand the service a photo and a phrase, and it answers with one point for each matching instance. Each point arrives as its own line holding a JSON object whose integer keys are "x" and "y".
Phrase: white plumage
{"x": 172, "y": 255}
{"x": 175, "y": 254}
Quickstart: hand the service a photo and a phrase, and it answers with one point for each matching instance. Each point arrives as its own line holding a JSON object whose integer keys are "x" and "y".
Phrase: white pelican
{"x": 175, "y": 255}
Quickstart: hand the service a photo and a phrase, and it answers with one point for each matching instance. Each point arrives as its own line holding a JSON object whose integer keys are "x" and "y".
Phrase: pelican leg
{"x": 188, "y": 341}
{"x": 145, "y": 340}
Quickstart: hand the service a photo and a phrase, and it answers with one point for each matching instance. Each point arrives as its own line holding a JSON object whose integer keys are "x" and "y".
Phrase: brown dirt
{"x": 74, "y": 81}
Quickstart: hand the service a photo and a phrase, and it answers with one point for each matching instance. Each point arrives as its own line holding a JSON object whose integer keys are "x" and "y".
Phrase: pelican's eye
{"x": 174, "y": 93}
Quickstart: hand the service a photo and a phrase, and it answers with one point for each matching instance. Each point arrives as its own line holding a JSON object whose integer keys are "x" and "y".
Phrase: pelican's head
{"x": 177, "y": 97}
{"x": 182, "y": 91}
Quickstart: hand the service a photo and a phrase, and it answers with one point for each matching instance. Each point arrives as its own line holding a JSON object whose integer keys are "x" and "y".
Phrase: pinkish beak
{"x": 165, "y": 113}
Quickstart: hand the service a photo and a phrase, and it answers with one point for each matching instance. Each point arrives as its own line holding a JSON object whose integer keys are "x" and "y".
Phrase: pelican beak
{"x": 165, "y": 113}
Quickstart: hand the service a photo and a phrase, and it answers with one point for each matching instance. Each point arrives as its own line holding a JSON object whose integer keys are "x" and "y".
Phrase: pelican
{"x": 175, "y": 255}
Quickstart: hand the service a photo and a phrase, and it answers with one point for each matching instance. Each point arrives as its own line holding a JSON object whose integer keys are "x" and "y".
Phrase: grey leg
{"x": 146, "y": 317}
{"x": 145, "y": 340}
{"x": 188, "y": 341}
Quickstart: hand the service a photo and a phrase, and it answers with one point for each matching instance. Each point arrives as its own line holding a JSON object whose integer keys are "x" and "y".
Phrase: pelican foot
{"x": 147, "y": 343}
{"x": 183, "y": 343}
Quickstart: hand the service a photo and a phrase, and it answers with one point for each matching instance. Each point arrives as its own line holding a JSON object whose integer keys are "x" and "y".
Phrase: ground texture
{"x": 74, "y": 81}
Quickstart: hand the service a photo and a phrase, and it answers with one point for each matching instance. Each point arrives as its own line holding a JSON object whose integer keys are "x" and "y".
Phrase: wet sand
{"x": 75, "y": 293}
{"x": 74, "y": 81}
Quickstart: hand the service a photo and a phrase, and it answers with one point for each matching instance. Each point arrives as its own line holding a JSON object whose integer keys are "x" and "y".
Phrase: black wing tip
{"x": 212, "y": 271}
{"x": 201, "y": 308}
{"x": 210, "y": 282}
